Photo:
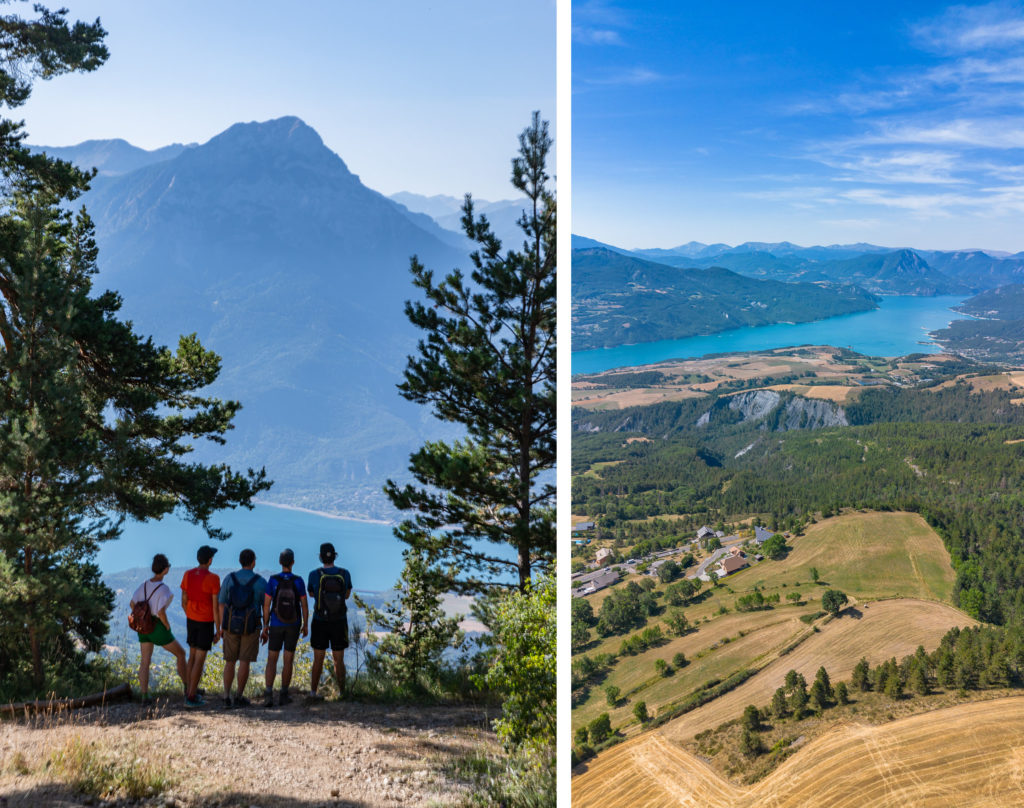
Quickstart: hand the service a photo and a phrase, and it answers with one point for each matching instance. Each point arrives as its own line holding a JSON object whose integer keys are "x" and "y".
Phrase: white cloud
{"x": 596, "y": 36}
{"x": 632, "y": 75}
{"x": 963, "y": 29}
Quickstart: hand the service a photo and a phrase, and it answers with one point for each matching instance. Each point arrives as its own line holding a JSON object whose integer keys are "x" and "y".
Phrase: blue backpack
{"x": 243, "y": 612}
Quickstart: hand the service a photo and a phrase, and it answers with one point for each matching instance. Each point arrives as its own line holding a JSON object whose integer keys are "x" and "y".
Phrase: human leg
{"x": 318, "y": 667}
{"x": 196, "y": 671}
{"x": 339, "y": 669}
{"x": 175, "y": 648}
{"x": 146, "y": 654}
{"x": 272, "y": 668}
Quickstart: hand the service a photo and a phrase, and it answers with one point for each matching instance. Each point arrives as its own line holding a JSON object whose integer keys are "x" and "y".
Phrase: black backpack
{"x": 330, "y": 597}
{"x": 286, "y": 600}
{"x": 243, "y": 613}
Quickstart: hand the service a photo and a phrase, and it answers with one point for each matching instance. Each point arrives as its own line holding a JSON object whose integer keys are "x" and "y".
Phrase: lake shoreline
{"x": 324, "y": 514}
{"x": 892, "y": 329}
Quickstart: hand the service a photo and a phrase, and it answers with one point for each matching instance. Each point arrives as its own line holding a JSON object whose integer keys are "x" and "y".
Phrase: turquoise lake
{"x": 368, "y": 550}
{"x": 898, "y": 327}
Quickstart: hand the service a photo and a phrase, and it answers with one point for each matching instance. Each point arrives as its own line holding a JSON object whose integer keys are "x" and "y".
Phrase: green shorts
{"x": 160, "y": 635}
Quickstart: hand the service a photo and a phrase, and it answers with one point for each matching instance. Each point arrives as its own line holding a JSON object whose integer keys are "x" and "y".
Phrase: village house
{"x": 592, "y": 582}
{"x": 581, "y": 529}
{"x": 730, "y": 564}
{"x": 704, "y": 532}
{"x": 604, "y": 556}
{"x": 762, "y": 534}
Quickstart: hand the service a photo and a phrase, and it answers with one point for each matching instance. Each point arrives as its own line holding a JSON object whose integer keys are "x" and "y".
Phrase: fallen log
{"x": 113, "y": 694}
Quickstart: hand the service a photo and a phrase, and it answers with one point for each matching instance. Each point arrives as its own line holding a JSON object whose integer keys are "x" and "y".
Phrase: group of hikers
{"x": 244, "y": 611}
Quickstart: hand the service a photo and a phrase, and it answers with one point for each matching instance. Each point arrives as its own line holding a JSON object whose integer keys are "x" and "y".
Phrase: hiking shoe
{"x": 227, "y": 703}
{"x": 314, "y": 697}
{"x": 283, "y": 699}
{"x": 196, "y": 702}
{"x": 242, "y": 701}
{"x": 268, "y": 700}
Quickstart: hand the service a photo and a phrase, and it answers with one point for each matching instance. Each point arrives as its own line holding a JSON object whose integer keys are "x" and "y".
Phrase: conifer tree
{"x": 94, "y": 421}
{"x": 487, "y": 363}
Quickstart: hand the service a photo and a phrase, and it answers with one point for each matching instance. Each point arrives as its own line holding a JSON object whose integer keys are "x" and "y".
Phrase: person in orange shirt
{"x": 199, "y": 590}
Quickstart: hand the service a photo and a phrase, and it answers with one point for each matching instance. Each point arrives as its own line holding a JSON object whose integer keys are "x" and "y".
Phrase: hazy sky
{"x": 898, "y": 123}
{"x": 419, "y": 96}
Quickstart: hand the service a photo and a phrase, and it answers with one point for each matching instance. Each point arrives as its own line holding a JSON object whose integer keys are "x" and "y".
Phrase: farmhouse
{"x": 704, "y": 532}
{"x": 762, "y": 534}
{"x": 581, "y": 529}
{"x": 594, "y": 581}
{"x": 604, "y": 556}
{"x": 730, "y": 564}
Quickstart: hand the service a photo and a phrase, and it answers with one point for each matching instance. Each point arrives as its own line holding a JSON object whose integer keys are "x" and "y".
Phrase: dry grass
{"x": 838, "y": 393}
{"x": 969, "y": 755}
{"x": 888, "y": 628}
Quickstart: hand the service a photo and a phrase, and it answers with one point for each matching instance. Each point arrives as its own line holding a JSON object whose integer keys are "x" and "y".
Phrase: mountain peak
{"x": 289, "y": 132}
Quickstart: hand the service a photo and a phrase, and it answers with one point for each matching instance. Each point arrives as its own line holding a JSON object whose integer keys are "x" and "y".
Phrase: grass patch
{"x": 97, "y": 772}
{"x": 525, "y": 780}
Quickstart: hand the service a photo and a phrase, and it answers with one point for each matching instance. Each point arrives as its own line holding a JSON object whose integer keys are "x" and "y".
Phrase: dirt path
{"x": 298, "y": 756}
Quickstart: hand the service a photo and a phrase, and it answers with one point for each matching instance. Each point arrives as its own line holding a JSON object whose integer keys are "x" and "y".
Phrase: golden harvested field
{"x": 767, "y": 635}
{"x": 829, "y": 392}
{"x": 968, "y": 756}
{"x": 636, "y": 397}
{"x": 870, "y": 555}
{"x": 884, "y": 629}
{"x": 866, "y": 555}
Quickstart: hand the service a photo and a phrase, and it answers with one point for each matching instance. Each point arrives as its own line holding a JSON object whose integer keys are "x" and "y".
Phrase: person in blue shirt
{"x": 285, "y": 616}
{"x": 329, "y": 586}
{"x": 241, "y": 600}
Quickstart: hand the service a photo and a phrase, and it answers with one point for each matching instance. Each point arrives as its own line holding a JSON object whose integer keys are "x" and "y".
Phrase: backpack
{"x": 243, "y": 613}
{"x": 330, "y": 597}
{"x": 286, "y": 600}
{"x": 141, "y": 618}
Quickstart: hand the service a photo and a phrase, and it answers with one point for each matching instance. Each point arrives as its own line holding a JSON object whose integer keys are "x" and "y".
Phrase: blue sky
{"x": 424, "y": 97}
{"x": 898, "y": 123}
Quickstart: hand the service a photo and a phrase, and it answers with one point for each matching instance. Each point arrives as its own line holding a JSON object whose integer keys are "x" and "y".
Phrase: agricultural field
{"x": 809, "y": 371}
{"x": 866, "y": 555}
{"x": 969, "y": 755}
{"x": 892, "y": 566}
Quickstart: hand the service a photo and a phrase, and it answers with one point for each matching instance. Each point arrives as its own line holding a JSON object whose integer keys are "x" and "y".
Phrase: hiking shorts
{"x": 200, "y": 634}
{"x": 288, "y": 636}
{"x": 245, "y": 647}
{"x": 324, "y": 633}
{"x": 160, "y": 635}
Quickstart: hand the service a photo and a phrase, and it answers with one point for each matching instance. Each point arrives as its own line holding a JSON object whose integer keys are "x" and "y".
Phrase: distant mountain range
{"x": 447, "y": 212}
{"x": 603, "y": 317}
{"x": 880, "y": 270}
{"x": 263, "y": 242}
{"x": 618, "y": 299}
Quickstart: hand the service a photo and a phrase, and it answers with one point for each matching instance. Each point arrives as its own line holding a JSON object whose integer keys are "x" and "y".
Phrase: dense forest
{"x": 951, "y": 455}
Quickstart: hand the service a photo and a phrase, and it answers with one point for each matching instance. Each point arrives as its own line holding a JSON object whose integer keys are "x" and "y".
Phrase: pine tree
{"x": 94, "y": 421}
{"x": 487, "y": 363}
{"x": 779, "y": 707}
{"x": 414, "y": 631}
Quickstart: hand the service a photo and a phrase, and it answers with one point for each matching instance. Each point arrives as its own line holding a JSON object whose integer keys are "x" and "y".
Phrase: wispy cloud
{"x": 991, "y": 133}
{"x": 598, "y": 23}
{"x": 963, "y": 29}
{"x": 900, "y": 167}
{"x": 627, "y": 76}
{"x": 596, "y": 36}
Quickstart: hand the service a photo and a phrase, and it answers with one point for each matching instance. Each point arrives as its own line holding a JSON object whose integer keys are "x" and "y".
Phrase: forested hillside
{"x": 619, "y": 299}
{"x": 953, "y": 454}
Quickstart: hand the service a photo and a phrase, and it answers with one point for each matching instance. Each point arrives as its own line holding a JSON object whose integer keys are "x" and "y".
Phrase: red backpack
{"x": 141, "y": 618}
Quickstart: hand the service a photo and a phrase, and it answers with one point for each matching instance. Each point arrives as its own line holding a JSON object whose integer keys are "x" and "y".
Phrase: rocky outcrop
{"x": 811, "y": 413}
{"x": 791, "y": 412}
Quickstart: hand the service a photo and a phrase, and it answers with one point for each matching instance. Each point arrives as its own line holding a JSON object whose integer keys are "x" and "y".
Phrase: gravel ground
{"x": 300, "y": 755}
